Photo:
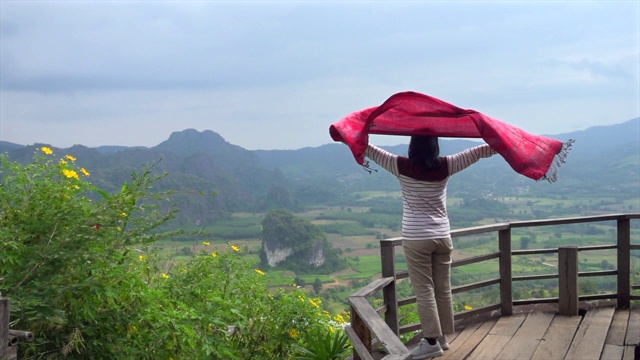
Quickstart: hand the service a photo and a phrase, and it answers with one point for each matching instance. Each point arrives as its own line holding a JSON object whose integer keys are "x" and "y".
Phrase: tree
{"x": 281, "y": 229}
{"x": 605, "y": 265}
{"x": 80, "y": 276}
{"x": 317, "y": 286}
{"x": 62, "y": 237}
{"x": 588, "y": 287}
{"x": 279, "y": 197}
{"x": 524, "y": 242}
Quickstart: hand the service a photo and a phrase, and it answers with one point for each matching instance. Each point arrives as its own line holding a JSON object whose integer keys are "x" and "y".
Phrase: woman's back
{"x": 424, "y": 190}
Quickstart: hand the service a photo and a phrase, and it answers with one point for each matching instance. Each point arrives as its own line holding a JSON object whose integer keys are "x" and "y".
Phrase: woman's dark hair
{"x": 424, "y": 150}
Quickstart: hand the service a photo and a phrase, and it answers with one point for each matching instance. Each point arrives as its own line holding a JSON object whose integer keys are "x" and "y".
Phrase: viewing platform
{"x": 570, "y": 326}
{"x": 540, "y": 332}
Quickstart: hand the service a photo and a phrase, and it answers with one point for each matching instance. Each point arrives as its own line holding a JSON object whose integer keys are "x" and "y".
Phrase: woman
{"x": 426, "y": 239}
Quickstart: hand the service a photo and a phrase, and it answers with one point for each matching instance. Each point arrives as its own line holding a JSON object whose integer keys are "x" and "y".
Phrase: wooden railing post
{"x": 4, "y": 328}
{"x": 363, "y": 332}
{"x": 568, "y": 280}
{"x": 624, "y": 263}
{"x": 390, "y": 296}
{"x": 506, "y": 290}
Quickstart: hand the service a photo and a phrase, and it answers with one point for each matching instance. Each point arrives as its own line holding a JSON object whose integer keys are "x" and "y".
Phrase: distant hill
{"x": 604, "y": 160}
{"x": 112, "y": 149}
{"x": 6, "y": 146}
{"x": 603, "y": 138}
{"x": 198, "y": 164}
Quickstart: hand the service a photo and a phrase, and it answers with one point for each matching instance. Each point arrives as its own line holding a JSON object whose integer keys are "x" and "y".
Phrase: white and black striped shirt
{"x": 424, "y": 193}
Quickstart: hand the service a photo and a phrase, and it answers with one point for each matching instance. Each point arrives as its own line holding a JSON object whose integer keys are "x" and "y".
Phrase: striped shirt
{"x": 424, "y": 192}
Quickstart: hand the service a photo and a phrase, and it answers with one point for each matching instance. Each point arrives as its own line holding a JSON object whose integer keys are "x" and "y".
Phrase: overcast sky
{"x": 275, "y": 75}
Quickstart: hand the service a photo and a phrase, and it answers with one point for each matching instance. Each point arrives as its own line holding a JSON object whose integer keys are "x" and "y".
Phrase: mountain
{"x": 197, "y": 165}
{"x": 605, "y": 160}
{"x": 6, "y": 146}
{"x": 113, "y": 149}
{"x": 604, "y": 138}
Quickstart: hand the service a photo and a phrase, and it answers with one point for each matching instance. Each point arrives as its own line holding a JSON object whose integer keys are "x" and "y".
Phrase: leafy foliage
{"x": 330, "y": 345}
{"x": 79, "y": 276}
{"x": 279, "y": 197}
{"x": 281, "y": 229}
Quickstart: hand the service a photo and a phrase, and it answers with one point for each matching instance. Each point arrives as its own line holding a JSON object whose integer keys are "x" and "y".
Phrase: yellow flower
{"x": 340, "y": 319}
{"x": 260, "y": 272}
{"x": 293, "y": 333}
{"x": 123, "y": 214}
{"x": 314, "y": 303}
{"x": 301, "y": 298}
{"x": 206, "y": 243}
{"x": 467, "y": 307}
{"x": 346, "y": 315}
{"x": 235, "y": 248}
{"x": 166, "y": 276}
{"x": 332, "y": 329}
{"x": 119, "y": 228}
{"x": 71, "y": 158}
{"x": 63, "y": 161}
{"x": 85, "y": 172}
{"x": 46, "y": 150}
{"x": 142, "y": 258}
{"x": 71, "y": 174}
{"x": 214, "y": 254}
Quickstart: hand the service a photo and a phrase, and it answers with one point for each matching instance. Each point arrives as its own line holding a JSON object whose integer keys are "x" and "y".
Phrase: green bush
{"x": 78, "y": 275}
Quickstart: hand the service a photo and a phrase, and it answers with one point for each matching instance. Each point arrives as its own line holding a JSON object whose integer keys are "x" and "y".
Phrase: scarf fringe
{"x": 552, "y": 175}
{"x": 367, "y": 167}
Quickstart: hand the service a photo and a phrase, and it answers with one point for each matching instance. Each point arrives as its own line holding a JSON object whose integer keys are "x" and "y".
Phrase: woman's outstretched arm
{"x": 383, "y": 158}
{"x": 466, "y": 158}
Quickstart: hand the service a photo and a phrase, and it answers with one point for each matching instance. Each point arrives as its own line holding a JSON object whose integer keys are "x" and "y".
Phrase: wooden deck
{"x": 538, "y": 332}
{"x": 590, "y": 327}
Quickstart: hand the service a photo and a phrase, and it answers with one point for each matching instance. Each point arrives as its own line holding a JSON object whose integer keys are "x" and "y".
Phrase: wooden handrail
{"x": 573, "y": 220}
{"x": 373, "y": 287}
{"x": 4, "y": 327}
{"x": 9, "y": 338}
{"x": 475, "y": 259}
{"x": 378, "y": 327}
{"x": 366, "y": 321}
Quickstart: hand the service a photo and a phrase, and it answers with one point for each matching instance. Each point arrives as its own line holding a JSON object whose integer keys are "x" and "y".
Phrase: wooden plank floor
{"x": 598, "y": 333}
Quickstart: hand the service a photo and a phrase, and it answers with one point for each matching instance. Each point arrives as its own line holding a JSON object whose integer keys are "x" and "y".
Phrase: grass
{"x": 365, "y": 264}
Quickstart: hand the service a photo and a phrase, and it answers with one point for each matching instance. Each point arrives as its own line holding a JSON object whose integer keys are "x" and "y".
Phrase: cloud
{"x": 67, "y": 46}
{"x": 254, "y": 71}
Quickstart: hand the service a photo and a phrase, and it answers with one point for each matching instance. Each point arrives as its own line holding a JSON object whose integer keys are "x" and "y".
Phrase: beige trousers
{"x": 429, "y": 265}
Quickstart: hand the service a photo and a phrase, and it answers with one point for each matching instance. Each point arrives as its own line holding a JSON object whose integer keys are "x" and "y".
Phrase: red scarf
{"x": 411, "y": 113}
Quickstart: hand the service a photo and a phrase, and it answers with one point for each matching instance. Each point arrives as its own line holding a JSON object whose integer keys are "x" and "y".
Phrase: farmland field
{"x": 346, "y": 229}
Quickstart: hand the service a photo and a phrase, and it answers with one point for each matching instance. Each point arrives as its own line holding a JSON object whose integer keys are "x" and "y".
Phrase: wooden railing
{"x": 372, "y": 327}
{"x": 9, "y": 338}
